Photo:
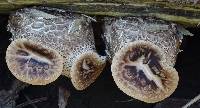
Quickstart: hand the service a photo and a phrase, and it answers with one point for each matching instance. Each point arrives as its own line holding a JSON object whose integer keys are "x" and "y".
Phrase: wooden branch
{"x": 185, "y": 12}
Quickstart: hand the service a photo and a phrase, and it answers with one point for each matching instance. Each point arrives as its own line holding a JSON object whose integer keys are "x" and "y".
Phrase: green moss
{"x": 186, "y": 14}
{"x": 178, "y": 19}
{"x": 108, "y": 13}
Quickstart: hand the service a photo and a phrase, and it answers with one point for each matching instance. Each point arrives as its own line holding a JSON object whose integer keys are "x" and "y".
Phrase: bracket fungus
{"x": 143, "y": 52}
{"x": 70, "y": 34}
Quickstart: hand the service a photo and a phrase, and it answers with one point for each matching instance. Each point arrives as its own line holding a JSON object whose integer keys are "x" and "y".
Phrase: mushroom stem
{"x": 192, "y": 101}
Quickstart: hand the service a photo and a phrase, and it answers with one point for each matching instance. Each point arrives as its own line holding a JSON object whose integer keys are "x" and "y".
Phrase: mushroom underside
{"x": 139, "y": 70}
{"x": 33, "y": 63}
{"x": 86, "y": 69}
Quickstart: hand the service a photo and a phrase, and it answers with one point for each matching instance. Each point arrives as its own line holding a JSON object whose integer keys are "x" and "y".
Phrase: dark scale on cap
{"x": 14, "y": 20}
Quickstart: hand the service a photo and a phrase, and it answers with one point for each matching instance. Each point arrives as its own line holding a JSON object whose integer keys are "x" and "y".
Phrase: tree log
{"x": 185, "y": 12}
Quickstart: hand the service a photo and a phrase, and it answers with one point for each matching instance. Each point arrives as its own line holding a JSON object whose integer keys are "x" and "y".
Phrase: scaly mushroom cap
{"x": 139, "y": 70}
{"x": 86, "y": 68}
{"x": 33, "y": 63}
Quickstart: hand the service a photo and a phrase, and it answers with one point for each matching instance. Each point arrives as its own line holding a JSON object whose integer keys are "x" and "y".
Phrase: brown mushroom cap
{"x": 33, "y": 63}
{"x": 139, "y": 70}
{"x": 86, "y": 68}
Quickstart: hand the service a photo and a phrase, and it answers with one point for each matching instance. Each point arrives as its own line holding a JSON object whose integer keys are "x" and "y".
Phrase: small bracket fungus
{"x": 33, "y": 63}
{"x": 143, "y": 52}
{"x": 139, "y": 70}
{"x": 70, "y": 34}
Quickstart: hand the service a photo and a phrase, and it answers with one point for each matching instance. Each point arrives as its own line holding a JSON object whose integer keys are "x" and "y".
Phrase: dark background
{"x": 104, "y": 93}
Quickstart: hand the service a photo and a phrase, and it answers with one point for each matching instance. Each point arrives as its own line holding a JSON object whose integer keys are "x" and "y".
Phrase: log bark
{"x": 185, "y": 12}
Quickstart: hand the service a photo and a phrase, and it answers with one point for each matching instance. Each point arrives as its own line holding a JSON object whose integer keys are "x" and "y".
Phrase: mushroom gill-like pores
{"x": 140, "y": 71}
{"x": 68, "y": 33}
{"x": 143, "y": 52}
{"x": 33, "y": 63}
{"x": 86, "y": 69}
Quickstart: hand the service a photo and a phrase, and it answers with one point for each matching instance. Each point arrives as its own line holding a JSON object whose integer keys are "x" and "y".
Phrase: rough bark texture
{"x": 186, "y": 12}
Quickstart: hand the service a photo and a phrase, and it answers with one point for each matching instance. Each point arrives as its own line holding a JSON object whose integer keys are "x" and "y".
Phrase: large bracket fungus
{"x": 68, "y": 33}
{"x": 143, "y": 52}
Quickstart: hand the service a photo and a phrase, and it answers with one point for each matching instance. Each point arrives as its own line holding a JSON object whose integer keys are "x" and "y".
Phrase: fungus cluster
{"x": 59, "y": 33}
{"x": 143, "y": 52}
{"x": 48, "y": 42}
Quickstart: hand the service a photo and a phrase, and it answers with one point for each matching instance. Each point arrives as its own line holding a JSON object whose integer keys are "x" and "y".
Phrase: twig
{"x": 63, "y": 97}
{"x": 89, "y": 17}
{"x": 12, "y": 95}
{"x": 126, "y": 100}
{"x": 192, "y": 101}
{"x": 31, "y": 102}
